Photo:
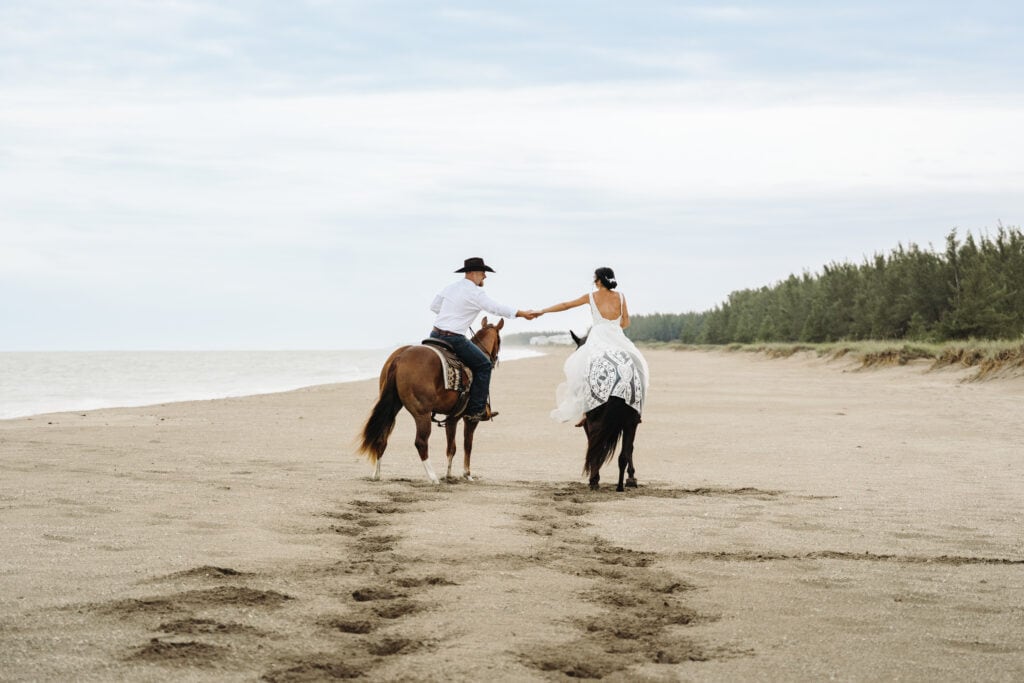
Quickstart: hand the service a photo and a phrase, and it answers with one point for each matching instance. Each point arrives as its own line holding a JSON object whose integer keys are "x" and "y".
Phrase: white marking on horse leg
{"x": 376, "y": 471}
{"x": 430, "y": 472}
{"x": 467, "y": 476}
{"x": 450, "y": 458}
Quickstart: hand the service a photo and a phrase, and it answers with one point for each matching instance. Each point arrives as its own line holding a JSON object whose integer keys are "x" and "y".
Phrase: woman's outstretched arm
{"x": 566, "y": 305}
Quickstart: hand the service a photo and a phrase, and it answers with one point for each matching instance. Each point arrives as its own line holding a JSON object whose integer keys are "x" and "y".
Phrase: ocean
{"x": 33, "y": 383}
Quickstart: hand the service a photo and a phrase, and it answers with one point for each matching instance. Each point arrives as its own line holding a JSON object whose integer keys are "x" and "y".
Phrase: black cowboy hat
{"x": 474, "y": 264}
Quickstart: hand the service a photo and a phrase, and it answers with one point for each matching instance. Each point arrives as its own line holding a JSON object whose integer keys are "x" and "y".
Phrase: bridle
{"x": 493, "y": 353}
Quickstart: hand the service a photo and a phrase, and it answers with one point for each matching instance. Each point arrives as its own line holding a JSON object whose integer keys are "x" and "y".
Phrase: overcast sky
{"x": 193, "y": 174}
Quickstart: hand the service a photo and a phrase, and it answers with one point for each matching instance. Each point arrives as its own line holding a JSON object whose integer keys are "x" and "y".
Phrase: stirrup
{"x": 483, "y": 416}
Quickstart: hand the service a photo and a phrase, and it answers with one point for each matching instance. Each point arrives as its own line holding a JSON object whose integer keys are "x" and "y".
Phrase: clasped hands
{"x": 530, "y": 315}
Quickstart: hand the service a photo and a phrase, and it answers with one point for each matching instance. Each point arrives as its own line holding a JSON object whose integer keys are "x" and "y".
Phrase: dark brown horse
{"x": 411, "y": 378}
{"x": 604, "y": 426}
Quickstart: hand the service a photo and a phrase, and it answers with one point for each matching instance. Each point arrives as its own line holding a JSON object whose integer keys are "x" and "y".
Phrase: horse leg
{"x": 449, "y": 431}
{"x": 588, "y": 427}
{"x": 626, "y": 456}
{"x": 382, "y": 418}
{"x": 422, "y": 438}
{"x": 467, "y": 448}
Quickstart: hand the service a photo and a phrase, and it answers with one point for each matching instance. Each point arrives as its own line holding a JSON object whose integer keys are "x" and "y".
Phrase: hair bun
{"x": 607, "y": 277}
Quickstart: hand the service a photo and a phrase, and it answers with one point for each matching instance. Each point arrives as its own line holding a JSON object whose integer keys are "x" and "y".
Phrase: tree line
{"x": 974, "y": 288}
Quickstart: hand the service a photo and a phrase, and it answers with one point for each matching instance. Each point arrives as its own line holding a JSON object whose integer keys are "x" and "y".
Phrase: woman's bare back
{"x": 609, "y": 305}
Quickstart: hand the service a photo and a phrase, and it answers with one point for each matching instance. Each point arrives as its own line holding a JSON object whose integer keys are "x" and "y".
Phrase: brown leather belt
{"x": 446, "y": 333}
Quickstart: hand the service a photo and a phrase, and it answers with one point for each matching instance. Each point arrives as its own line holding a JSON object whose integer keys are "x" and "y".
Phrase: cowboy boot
{"x": 483, "y": 416}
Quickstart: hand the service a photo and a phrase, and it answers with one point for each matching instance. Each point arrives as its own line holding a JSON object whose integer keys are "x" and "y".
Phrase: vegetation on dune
{"x": 988, "y": 357}
{"x": 962, "y": 306}
{"x": 974, "y": 289}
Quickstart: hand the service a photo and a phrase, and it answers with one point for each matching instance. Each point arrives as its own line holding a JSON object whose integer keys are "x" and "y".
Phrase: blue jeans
{"x": 477, "y": 361}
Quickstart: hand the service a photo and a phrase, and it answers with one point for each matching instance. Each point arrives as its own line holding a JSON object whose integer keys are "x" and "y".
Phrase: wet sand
{"x": 796, "y": 520}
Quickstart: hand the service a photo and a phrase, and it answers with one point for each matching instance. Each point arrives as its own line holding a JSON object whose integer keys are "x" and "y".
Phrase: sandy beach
{"x": 797, "y": 519}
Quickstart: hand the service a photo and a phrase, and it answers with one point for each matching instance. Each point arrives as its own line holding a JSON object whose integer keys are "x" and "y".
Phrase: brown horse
{"x": 411, "y": 378}
{"x": 603, "y": 426}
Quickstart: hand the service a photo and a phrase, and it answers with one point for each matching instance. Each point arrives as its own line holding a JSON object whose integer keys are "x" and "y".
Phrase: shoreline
{"x": 367, "y": 363}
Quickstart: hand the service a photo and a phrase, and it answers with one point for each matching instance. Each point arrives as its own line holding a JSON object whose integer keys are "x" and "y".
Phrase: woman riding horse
{"x": 606, "y": 379}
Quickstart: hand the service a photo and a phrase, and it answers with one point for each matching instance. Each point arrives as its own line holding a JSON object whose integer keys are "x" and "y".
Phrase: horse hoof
{"x": 468, "y": 477}
{"x": 631, "y": 483}
{"x": 430, "y": 473}
{"x": 594, "y": 487}
{"x": 620, "y": 488}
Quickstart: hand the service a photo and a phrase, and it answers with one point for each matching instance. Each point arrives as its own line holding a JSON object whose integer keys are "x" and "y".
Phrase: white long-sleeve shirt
{"x": 458, "y": 305}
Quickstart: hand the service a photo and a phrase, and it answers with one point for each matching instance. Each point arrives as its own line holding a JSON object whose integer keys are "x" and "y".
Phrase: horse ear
{"x": 483, "y": 323}
{"x": 575, "y": 338}
{"x": 501, "y": 324}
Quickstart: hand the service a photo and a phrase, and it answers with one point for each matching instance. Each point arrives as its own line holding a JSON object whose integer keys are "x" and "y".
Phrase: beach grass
{"x": 991, "y": 358}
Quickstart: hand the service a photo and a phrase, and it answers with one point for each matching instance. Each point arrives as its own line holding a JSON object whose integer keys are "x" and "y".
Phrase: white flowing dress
{"x": 607, "y": 365}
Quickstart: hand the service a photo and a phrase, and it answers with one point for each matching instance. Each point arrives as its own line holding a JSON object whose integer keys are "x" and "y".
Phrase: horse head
{"x": 488, "y": 338}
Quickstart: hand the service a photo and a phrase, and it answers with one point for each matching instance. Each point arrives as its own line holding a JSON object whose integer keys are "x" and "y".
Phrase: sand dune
{"x": 796, "y": 520}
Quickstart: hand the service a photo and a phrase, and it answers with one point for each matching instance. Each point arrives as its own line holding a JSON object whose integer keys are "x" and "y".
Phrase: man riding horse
{"x": 457, "y": 306}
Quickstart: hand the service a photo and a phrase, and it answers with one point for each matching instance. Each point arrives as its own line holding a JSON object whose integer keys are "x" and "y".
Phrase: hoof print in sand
{"x": 193, "y": 626}
{"x": 614, "y": 555}
{"x": 357, "y": 626}
{"x": 376, "y": 507}
{"x": 397, "y": 609}
{"x": 222, "y": 596}
{"x": 235, "y": 595}
{"x": 417, "y": 582}
{"x": 207, "y": 572}
{"x": 186, "y": 653}
{"x": 389, "y": 647}
{"x": 319, "y": 670}
{"x": 374, "y": 593}
{"x": 376, "y": 544}
{"x": 576, "y": 662}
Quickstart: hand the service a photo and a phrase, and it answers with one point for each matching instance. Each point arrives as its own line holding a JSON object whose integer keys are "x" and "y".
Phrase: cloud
{"x": 483, "y": 18}
{"x": 689, "y": 63}
{"x": 310, "y": 157}
{"x": 724, "y": 13}
{"x": 170, "y": 156}
{"x": 313, "y": 171}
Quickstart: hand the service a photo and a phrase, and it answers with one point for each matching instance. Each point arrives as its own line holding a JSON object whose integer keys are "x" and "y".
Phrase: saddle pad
{"x": 451, "y": 369}
{"x": 614, "y": 373}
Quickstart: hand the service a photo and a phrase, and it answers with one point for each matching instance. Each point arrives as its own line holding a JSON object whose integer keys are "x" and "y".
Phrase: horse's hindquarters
{"x": 605, "y": 426}
{"x": 421, "y": 383}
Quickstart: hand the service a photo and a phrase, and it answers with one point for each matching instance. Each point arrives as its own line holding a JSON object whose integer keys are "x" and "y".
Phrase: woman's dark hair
{"x": 607, "y": 277}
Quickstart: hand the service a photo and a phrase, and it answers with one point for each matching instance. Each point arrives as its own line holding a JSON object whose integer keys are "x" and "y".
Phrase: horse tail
{"x": 605, "y": 425}
{"x": 382, "y": 418}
